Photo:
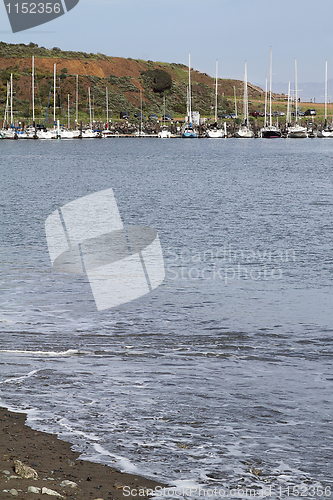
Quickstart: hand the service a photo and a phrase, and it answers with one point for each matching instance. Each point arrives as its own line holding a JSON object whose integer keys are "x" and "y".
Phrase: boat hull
{"x": 164, "y": 134}
{"x": 244, "y": 133}
{"x": 325, "y": 133}
{"x": 297, "y": 133}
{"x": 188, "y": 134}
{"x": 271, "y": 133}
{"x": 215, "y": 134}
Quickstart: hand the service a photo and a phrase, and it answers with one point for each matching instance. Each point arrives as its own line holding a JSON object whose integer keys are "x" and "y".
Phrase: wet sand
{"x": 55, "y": 462}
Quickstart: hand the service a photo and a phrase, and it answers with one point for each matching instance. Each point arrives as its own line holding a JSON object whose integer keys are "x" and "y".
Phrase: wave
{"x": 17, "y": 380}
{"x": 69, "y": 352}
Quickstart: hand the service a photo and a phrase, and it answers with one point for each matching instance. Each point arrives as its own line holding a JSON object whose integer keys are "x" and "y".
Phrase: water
{"x": 224, "y": 369}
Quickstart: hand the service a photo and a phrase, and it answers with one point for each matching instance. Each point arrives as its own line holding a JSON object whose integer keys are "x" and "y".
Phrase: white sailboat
{"x": 327, "y": 130}
{"x": 45, "y": 134}
{"x": 10, "y": 133}
{"x": 89, "y": 133}
{"x": 296, "y": 131}
{"x": 164, "y": 132}
{"x": 244, "y": 131}
{"x": 270, "y": 131}
{"x": 188, "y": 131}
{"x": 215, "y": 132}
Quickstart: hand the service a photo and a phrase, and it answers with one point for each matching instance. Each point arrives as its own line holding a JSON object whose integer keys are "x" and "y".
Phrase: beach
{"x": 56, "y": 464}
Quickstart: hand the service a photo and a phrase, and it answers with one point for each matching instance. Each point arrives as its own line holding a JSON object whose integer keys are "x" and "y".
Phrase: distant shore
{"x": 55, "y": 462}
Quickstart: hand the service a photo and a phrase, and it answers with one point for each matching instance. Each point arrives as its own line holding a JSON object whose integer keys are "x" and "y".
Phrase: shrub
{"x": 158, "y": 79}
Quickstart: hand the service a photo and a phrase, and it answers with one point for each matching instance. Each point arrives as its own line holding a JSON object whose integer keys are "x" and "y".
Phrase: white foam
{"x": 69, "y": 352}
{"x": 71, "y": 429}
{"x": 17, "y": 380}
{"x": 124, "y": 464}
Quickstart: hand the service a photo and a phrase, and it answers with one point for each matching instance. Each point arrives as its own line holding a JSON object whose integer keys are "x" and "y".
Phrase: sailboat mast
{"x": 265, "y": 119}
{"x": 245, "y": 103}
{"x": 288, "y": 106}
{"x": 235, "y": 102}
{"x": 7, "y": 106}
{"x": 33, "y": 89}
{"x": 216, "y": 92}
{"x": 69, "y": 122}
{"x": 270, "y": 88}
{"x": 11, "y": 99}
{"x": 163, "y": 108}
{"x": 189, "y": 90}
{"x": 54, "y": 94}
{"x": 140, "y": 112}
{"x": 77, "y": 99}
{"x": 107, "y": 105}
{"x": 326, "y": 94}
{"x": 296, "y": 113}
{"x": 89, "y": 99}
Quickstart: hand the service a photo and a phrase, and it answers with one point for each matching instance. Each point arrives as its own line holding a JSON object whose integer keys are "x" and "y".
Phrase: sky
{"x": 231, "y": 31}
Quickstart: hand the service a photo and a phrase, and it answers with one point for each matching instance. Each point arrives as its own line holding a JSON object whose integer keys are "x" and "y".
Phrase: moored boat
{"x": 189, "y": 132}
{"x": 164, "y": 133}
{"x": 244, "y": 131}
{"x": 214, "y": 132}
{"x": 296, "y": 131}
{"x": 270, "y": 131}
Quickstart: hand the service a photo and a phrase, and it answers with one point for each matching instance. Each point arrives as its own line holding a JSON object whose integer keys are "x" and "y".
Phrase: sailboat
{"x": 51, "y": 134}
{"x": 10, "y": 133}
{"x": 327, "y": 130}
{"x": 89, "y": 133}
{"x": 270, "y": 131}
{"x": 188, "y": 131}
{"x": 296, "y": 131}
{"x": 164, "y": 132}
{"x": 215, "y": 132}
{"x": 244, "y": 131}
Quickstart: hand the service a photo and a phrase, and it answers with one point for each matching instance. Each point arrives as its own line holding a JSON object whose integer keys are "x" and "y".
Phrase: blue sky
{"x": 231, "y": 31}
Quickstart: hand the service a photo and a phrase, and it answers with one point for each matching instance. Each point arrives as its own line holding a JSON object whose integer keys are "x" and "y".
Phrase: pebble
{"x": 33, "y": 489}
{"x": 24, "y": 471}
{"x": 71, "y": 484}
{"x": 15, "y": 477}
{"x": 47, "y": 491}
{"x": 70, "y": 463}
{"x": 6, "y": 472}
{"x": 118, "y": 486}
{"x": 14, "y": 492}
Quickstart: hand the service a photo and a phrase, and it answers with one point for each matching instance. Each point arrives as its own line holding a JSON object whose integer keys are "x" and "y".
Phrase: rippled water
{"x": 228, "y": 364}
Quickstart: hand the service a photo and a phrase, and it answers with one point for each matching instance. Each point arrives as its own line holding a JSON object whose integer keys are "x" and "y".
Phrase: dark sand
{"x": 55, "y": 462}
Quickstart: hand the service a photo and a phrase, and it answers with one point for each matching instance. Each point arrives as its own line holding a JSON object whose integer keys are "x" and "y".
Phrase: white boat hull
{"x": 9, "y": 134}
{"x": 89, "y": 134}
{"x": 244, "y": 133}
{"x": 297, "y": 132}
{"x": 164, "y": 134}
{"x": 46, "y": 134}
{"x": 325, "y": 133}
{"x": 215, "y": 133}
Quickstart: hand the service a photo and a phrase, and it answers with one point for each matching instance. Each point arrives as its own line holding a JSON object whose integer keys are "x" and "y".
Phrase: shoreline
{"x": 55, "y": 462}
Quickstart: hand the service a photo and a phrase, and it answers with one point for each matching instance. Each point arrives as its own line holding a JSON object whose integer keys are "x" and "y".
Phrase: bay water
{"x": 220, "y": 377}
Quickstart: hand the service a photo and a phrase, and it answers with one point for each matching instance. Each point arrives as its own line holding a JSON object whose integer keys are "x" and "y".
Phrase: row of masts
{"x": 10, "y": 93}
{"x": 9, "y": 101}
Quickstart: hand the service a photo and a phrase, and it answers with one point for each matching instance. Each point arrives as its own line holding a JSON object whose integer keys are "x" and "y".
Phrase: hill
{"x": 124, "y": 79}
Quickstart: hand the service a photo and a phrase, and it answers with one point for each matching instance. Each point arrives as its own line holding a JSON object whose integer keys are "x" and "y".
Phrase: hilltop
{"x": 123, "y": 77}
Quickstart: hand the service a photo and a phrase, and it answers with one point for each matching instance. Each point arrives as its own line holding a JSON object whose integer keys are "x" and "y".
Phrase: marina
{"x": 194, "y": 126}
